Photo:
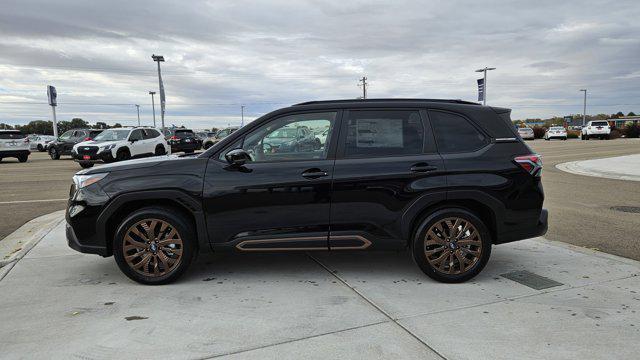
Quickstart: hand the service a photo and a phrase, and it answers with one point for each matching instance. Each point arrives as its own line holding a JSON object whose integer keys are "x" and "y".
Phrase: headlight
{"x": 86, "y": 180}
{"x": 107, "y": 147}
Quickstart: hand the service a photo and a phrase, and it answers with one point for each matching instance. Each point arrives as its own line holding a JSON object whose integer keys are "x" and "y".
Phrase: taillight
{"x": 87, "y": 139}
{"x": 530, "y": 163}
{"x": 174, "y": 137}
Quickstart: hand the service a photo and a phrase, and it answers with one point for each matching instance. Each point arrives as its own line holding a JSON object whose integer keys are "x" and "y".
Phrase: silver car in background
{"x": 526, "y": 133}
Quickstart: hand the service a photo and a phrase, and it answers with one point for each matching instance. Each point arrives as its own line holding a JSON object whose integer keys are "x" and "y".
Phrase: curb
{"x": 17, "y": 244}
{"x": 575, "y": 167}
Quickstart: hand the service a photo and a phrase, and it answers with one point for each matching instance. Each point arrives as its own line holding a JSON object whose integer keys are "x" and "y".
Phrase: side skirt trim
{"x": 351, "y": 242}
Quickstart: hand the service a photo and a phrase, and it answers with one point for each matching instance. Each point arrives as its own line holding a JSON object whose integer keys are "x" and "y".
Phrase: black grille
{"x": 87, "y": 150}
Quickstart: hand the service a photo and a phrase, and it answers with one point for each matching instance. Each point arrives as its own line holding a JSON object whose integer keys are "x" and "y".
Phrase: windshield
{"x": 283, "y": 133}
{"x": 599, "y": 123}
{"x": 112, "y": 135}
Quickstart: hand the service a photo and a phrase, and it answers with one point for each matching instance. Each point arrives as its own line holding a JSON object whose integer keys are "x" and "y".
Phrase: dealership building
{"x": 621, "y": 121}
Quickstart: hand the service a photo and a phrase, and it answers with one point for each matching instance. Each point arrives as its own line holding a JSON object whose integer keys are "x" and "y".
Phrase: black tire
{"x": 123, "y": 154}
{"x": 54, "y": 154}
{"x": 0, "y": 159}
{"x": 86, "y": 165}
{"x": 207, "y": 145}
{"x": 483, "y": 239}
{"x": 23, "y": 158}
{"x": 160, "y": 150}
{"x": 177, "y": 221}
{"x": 40, "y": 148}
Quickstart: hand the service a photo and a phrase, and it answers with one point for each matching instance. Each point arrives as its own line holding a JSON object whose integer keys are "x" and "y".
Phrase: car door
{"x": 136, "y": 142}
{"x": 278, "y": 201}
{"x": 387, "y": 170}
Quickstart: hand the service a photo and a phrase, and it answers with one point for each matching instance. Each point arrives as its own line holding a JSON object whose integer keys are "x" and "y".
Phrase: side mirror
{"x": 133, "y": 140}
{"x": 237, "y": 157}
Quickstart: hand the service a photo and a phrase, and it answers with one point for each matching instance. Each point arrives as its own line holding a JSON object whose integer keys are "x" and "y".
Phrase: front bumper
{"x": 526, "y": 233}
{"x": 104, "y": 156}
{"x": 73, "y": 242}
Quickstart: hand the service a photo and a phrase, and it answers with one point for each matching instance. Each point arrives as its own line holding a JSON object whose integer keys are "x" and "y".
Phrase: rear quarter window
{"x": 455, "y": 134}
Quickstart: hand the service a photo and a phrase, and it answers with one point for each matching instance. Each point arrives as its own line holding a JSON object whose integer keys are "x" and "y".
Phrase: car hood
{"x": 94, "y": 143}
{"x": 135, "y": 164}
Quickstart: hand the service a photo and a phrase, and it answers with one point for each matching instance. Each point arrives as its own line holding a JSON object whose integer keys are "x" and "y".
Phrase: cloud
{"x": 268, "y": 54}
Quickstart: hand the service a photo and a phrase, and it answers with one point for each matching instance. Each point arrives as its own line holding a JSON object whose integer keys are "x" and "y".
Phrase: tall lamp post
{"x": 138, "y": 108}
{"x": 484, "y": 97}
{"x": 153, "y": 107}
{"x": 159, "y": 59}
{"x": 584, "y": 107}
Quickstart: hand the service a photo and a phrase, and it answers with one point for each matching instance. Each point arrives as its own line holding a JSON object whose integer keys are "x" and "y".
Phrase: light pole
{"x": 484, "y": 82}
{"x": 159, "y": 59}
{"x": 138, "y": 108}
{"x": 153, "y": 107}
{"x": 242, "y": 115}
{"x": 584, "y": 107}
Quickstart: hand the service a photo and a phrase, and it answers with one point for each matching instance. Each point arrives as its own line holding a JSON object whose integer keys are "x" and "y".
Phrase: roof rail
{"x": 454, "y": 101}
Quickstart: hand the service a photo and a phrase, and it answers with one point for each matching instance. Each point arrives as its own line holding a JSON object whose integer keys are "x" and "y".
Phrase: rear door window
{"x": 377, "y": 133}
{"x": 455, "y": 134}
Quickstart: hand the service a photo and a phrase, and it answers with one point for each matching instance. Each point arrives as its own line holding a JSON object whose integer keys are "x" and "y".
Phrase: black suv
{"x": 184, "y": 140}
{"x": 64, "y": 143}
{"x": 443, "y": 178}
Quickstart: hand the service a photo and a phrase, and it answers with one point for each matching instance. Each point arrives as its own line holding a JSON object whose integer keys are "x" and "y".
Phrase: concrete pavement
{"x": 56, "y": 303}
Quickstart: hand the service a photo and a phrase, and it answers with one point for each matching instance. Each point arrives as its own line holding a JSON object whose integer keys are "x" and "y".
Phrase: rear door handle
{"x": 314, "y": 174}
{"x": 423, "y": 167}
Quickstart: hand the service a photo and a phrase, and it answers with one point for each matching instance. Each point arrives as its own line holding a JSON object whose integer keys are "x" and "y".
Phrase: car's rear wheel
{"x": 154, "y": 245}
{"x": 23, "y": 158}
{"x": 40, "y": 148}
{"x": 452, "y": 245}
{"x": 54, "y": 154}
{"x": 160, "y": 150}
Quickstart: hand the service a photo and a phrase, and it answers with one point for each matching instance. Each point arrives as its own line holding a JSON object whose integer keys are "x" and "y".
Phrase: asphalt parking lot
{"x": 580, "y": 207}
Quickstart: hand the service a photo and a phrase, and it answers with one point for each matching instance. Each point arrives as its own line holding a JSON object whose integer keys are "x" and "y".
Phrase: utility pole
{"x": 584, "y": 107}
{"x": 242, "y": 115}
{"x": 484, "y": 97}
{"x": 52, "y": 96}
{"x": 153, "y": 107}
{"x": 138, "y": 107}
{"x": 159, "y": 59}
{"x": 363, "y": 83}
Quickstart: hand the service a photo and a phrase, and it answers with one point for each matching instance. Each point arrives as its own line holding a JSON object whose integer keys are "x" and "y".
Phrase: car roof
{"x": 385, "y": 101}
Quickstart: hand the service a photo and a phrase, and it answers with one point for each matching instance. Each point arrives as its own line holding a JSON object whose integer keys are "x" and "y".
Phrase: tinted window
{"x": 150, "y": 133}
{"x": 290, "y": 137}
{"x": 382, "y": 133}
{"x": 136, "y": 135}
{"x": 12, "y": 135}
{"x": 454, "y": 133}
{"x": 599, "y": 123}
{"x": 183, "y": 134}
{"x": 67, "y": 135}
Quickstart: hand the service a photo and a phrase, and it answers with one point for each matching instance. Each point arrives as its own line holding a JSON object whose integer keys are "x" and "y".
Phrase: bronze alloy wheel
{"x": 452, "y": 245}
{"x": 152, "y": 247}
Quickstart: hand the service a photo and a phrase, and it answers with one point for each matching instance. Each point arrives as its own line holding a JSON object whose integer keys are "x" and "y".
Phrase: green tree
{"x": 619, "y": 114}
{"x": 631, "y": 113}
{"x": 117, "y": 125}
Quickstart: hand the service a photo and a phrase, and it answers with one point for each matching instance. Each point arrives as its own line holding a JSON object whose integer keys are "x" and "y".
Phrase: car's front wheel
{"x": 54, "y": 154}
{"x": 452, "y": 245}
{"x": 154, "y": 245}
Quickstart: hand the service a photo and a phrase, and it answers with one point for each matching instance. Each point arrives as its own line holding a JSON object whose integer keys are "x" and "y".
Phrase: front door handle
{"x": 422, "y": 167}
{"x": 314, "y": 174}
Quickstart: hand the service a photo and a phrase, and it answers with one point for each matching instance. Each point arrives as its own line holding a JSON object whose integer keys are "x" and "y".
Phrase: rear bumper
{"x": 526, "y": 233}
{"x": 14, "y": 153}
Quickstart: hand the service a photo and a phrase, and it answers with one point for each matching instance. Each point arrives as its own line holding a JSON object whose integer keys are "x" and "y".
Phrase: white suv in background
{"x": 599, "y": 129}
{"x": 120, "y": 144}
{"x": 14, "y": 144}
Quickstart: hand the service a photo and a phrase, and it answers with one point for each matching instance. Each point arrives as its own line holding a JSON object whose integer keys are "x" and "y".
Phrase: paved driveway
{"x": 56, "y": 303}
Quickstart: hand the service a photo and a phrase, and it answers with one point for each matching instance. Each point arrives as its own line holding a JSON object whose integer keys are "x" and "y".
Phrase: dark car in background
{"x": 221, "y": 134}
{"x": 291, "y": 139}
{"x": 443, "y": 179}
{"x": 184, "y": 140}
{"x": 65, "y": 142}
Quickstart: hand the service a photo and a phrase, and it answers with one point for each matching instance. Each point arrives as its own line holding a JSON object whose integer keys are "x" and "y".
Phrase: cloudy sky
{"x": 269, "y": 54}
